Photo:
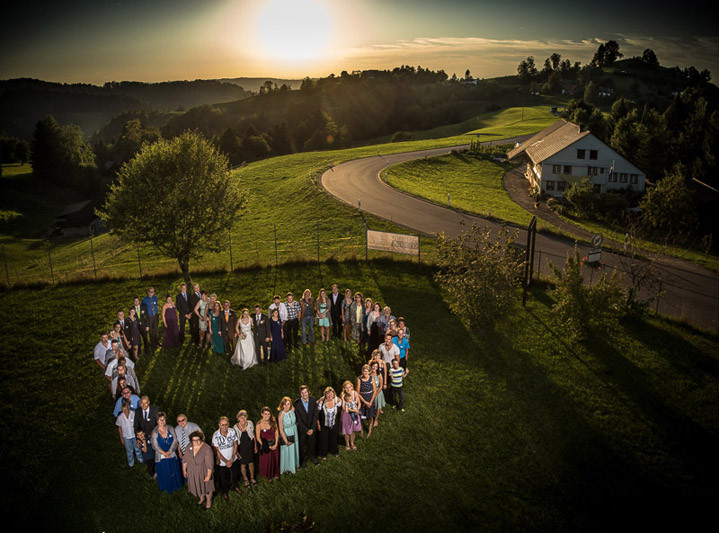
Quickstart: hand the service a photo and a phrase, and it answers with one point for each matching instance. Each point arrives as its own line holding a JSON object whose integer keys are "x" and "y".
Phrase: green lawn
{"x": 474, "y": 185}
{"x": 513, "y": 429}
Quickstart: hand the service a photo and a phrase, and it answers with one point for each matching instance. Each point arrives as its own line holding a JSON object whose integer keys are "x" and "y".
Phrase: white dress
{"x": 245, "y": 350}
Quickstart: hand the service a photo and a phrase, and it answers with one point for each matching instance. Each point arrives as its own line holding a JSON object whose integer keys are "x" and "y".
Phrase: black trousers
{"x": 398, "y": 397}
{"x": 150, "y": 464}
{"x": 145, "y": 346}
{"x": 328, "y": 439}
{"x": 227, "y": 477}
{"x": 153, "y": 322}
{"x": 307, "y": 446}
{"x": 262, "y": 350}
{"x": 194, "y": 328}
{"x": 182, "y": 319}
{"x": 337, "y": 325}
{"x": 291, "y": 329}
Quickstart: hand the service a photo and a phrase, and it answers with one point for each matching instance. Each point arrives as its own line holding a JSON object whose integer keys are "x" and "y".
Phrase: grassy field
{"x": 282, "y": 191}
{"x": 475, "y": 185}
{"x": 508, "y": 429}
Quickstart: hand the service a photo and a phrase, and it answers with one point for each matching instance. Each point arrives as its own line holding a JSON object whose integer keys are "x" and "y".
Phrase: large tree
{"x": 177, "y": 195}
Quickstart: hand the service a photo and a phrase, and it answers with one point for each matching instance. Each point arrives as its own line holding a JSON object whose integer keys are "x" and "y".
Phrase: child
{"x": 396, "y": 378}
{"x": 145, "y": 449}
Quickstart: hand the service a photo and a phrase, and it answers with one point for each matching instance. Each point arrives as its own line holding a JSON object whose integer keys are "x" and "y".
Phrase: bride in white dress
{"x": 245, "y": 351}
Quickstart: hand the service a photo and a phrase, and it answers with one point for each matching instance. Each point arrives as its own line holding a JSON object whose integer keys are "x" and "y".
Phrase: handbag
{"x": 290, "y": 440}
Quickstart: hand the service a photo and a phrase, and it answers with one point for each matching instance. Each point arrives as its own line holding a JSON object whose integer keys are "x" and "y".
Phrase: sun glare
{"x": 293, "y": 30}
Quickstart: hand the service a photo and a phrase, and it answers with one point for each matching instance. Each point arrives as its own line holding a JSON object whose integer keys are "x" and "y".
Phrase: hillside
{"x": 25, "y": 101}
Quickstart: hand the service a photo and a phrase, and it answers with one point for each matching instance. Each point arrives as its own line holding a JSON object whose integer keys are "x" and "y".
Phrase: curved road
{"x": 692, "y": 292}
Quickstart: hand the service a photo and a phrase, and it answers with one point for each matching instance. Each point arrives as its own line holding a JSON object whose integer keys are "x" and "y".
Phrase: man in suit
{"x": 306, "y": 413}
{"x": 228, "y": 323}
{"x": 125, "y": 328}
{"x": 146, "y": 416}
{"x": 141, "y": 314}
{"x": 193, "y": 298}
{"x": 152, "y": 310}
{"x": 336, "y": 311}
{"x": 261, "y": 332}
{"x": 182, "y": 303}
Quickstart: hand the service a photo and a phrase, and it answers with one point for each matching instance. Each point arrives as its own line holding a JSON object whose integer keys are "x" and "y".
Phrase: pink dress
{"x": 351, "y": 422}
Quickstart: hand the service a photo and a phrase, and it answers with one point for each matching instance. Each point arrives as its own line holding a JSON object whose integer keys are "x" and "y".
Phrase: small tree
{"x": 670, "y": 205}
{"x": 585, "y": 308}
{"x": 481, "y": 273}
{"x": 177, "y": 195}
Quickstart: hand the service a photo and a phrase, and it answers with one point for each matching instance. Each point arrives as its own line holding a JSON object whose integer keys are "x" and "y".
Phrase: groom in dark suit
{"x": 228, "y": 323}
{"x": 261, "y": 332}
{"x": 306, "y": 413}
{"x": 146, "y": 416}
{"x": 182, "y": 303}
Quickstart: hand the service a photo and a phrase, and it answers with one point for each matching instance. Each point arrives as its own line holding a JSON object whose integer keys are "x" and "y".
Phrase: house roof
{"x": 73, "y": 208}
{"x": 549, "y": 141}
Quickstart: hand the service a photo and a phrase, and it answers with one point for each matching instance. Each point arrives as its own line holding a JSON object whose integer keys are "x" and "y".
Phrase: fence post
{"x": 7, "y": 274}
{"x": 366, "y": 240}
{"x": 318, "y": 241}
{"x": 275, "y": 245}
{"x": 539, "y": 265}
{"x": 139, "y": 263}
{"x": 92, "y": 251}
{"x": 591, "y": 276}
{"x": 419, "y": 249}
{"x": 229, "y": 237}
{"x": 49, "y": 257}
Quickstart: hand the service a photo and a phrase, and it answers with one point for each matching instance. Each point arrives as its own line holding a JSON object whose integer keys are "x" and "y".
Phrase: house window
{"x": 602, "y": 170}
{"x": 593, "y": 154}
{"x": 557, "y": 169}
{"x": 597, "y": 188}
{"x": 633, "y": 178}
{"x": 567, "y": 169}
{"x": 592, "y": 171}
{"x": 580, "y": 154}
{"x": 613, "y": 177}
{"x": 549, "y": 186}
{"x": 623, "y": 177}
{"x": 561, "y": 185}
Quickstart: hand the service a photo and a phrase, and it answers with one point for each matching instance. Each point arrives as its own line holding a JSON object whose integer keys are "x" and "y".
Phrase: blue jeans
{"x": 131, "y": 450}
{"x": 308, "y": 322}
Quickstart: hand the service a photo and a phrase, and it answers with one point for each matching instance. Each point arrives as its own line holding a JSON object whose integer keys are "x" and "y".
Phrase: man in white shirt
{"x": 389, "y": 350}
{"x": 101, "y": 349}
{"x": 277, "y": 304}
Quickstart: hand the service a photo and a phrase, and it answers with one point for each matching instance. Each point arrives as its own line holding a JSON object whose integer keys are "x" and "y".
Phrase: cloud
{"x": 497, "y": 57}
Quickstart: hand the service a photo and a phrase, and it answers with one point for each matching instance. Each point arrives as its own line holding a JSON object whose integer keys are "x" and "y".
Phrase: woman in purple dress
{"x": 171, "y": 333}
{"x": 277, "y": 346}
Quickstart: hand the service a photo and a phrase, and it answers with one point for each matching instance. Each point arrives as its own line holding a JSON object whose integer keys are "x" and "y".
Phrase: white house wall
{"x": 579, "y": 167}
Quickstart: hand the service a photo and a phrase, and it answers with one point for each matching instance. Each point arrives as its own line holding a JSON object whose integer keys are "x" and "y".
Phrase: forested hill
{"x": 24, "y": 101}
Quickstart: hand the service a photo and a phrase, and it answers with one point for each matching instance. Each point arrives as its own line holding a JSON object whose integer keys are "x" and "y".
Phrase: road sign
{"x": 597, "y": 240}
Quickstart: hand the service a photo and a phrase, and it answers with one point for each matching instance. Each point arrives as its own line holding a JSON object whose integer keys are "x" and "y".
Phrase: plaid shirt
{"x": 293, "y": 310}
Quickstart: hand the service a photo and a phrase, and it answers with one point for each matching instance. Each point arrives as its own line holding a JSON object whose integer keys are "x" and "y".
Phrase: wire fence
{"x": 61, "y": 260}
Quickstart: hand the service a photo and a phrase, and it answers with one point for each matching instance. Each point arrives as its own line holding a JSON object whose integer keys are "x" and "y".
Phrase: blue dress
{"x": 169, "y": 477}
{"x": 289, "y": 455}
{"x": 277, "y": 349}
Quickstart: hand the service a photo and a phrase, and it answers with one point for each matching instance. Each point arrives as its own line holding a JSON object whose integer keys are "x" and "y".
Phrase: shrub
{"x": 584, "y": 308}
{"x": 402, "y": 136}
{"x": 481, "y": 273}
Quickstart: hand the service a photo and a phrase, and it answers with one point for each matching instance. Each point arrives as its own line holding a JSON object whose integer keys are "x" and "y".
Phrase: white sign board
{"x": 393, "y": 242}
{"x": 595, "y": 255}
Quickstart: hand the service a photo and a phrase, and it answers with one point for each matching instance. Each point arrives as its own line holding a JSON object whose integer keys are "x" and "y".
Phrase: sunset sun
{"x": 293, "y": 30}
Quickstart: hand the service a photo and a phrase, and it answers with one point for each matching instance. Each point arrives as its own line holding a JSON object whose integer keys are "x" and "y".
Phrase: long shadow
{"x": 681, "y": 354}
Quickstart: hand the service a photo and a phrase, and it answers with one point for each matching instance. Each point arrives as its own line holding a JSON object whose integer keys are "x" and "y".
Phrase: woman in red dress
{"x": 268, "y": 441}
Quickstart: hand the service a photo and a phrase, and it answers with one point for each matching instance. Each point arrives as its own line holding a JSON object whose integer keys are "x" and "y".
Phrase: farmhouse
{"x": 563, "y": 154}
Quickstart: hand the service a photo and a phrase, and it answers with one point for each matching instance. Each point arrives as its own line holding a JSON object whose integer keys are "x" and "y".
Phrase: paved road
{"x": 692, "y": 293}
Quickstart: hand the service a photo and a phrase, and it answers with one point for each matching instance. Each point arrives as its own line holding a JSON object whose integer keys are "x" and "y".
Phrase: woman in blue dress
{"x": 289, "y": 449}
{"x": 218, "y": 343}
{"x": 165, "y": 442}
{"x": 277, "y": 346}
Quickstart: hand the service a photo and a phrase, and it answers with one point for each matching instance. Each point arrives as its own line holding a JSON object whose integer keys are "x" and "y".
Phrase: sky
{"x": 95, "y": 41}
